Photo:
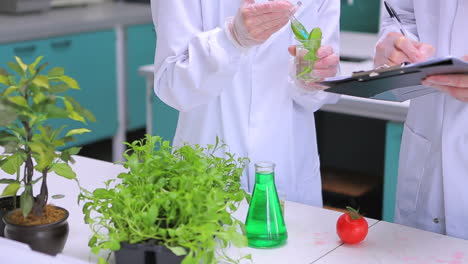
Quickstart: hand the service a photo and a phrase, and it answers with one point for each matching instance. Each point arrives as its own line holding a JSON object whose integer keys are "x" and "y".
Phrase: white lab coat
{"x": 243, "y": 96}
{"x": 433, "y": 176}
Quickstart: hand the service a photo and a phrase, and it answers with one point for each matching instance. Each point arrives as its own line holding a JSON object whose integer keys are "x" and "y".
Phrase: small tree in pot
{"x": 28, "y": 102}
{"x": 173, "y": 205}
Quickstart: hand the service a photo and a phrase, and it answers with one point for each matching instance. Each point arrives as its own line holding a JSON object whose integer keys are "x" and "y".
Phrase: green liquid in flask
{"x": 265, "y": 224}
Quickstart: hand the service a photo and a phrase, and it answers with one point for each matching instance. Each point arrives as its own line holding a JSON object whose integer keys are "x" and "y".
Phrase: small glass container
{"x": 305, "y": 59}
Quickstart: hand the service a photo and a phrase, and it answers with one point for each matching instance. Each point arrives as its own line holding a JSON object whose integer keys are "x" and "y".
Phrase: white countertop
{"x": 312, "y": 235}
{"x": 56, "y": 22}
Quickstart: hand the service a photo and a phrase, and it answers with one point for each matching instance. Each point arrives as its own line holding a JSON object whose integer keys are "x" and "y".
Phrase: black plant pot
{"x": 7, "y": 205}
{"x": 146, "y": 253}
{"x": 49, "y": 239}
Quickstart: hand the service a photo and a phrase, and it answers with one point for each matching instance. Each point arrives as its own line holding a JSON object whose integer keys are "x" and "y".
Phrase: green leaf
{"x": 16, "y": 68}
{"x": 41, "y": 81}
{"x": 102, "y": 261}
{"x": 43, "y": 154}
{"x": 56, "y": 72}
{"x": 77, "y": 131}
{"x": 12, "y": 164}
{"x": 11, "y": 189}
{"x": 74, "y": 150}
{"x": 112, "y": 245}
{"x": 7, "y": 115}
{"x": 18, "y": 100}
{"x": 64, "y": 170}
{"x": 56, "y": 112}
{"x": 9, "y": 90}
{"x": 316, "y": 33}
{"x": 153, "y": 213}
{"x": 298, "y": 29}
{"x": 26, "y": 201}
{"x": 32, "y": 67}
{"x": 68, "y": 106}
{"x": 3, "y": 72}
{"x": 92, "y": 241}
{"x": 310, "y": 56}
{"x": 80, "y": 110}
{"x": 39, "y": 97}
{"x": 77, "y": 117}
{"x": 179, "y": 251}
{"x": 72, "y": 83}
{"x": 7, "y": 181}
{"x": 86, "y": 113}
{"x": 238, "y": 240}
{"x": 4, "y": 80}
{"x": 59, "y": 88}
{"x": 23, "y": 66}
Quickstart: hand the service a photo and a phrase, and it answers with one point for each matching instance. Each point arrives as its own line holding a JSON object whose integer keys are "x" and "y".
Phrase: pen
{"x": 391, "y": 12}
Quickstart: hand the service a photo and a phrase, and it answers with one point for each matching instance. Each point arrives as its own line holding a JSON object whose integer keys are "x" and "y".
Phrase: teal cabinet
{"x": 27, "y": 50}
{"x": 141, "y": 44}
{"x": 90, "y": 59}
{"x": 360, "y": 16}
{"x": 394, "y": 132}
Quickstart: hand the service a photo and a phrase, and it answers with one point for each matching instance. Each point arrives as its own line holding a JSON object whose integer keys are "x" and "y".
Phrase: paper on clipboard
{"x": 395, "y": 83}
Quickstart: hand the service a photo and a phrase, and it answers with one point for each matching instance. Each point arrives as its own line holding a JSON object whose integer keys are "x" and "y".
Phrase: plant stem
{"x": 41, "y": 199}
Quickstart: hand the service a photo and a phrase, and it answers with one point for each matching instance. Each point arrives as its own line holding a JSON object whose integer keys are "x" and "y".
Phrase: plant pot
{"x": 48, "y": 238}
{"x": 146, "y": 253}
{"x": 6, "y": 205}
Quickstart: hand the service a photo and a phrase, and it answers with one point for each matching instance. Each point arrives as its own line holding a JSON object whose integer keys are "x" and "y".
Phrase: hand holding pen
{"x": 397, "y": 48}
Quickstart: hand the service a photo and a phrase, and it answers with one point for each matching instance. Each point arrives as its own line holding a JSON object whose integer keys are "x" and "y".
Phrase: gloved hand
{"x": 395, "y": 49}
{"x": 255, "y": 23}
{"x": 455, "y": 85}
{"x": 326, "y": 66}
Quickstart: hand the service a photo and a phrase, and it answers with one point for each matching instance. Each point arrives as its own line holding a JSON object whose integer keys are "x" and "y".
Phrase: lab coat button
{"x": 436, "y": 220}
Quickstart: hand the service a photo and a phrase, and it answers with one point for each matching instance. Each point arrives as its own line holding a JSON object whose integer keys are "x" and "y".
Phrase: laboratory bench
{"x": 101, "y": 46}
{"x": 312, "y": 234}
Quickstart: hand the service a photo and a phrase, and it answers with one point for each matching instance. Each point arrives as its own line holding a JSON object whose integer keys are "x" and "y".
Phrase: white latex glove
{"x": 255, "y": 23}
{"x": 326, "y": 66}
{"x": 455, "y": 85}
{"x": 395, "y": 49}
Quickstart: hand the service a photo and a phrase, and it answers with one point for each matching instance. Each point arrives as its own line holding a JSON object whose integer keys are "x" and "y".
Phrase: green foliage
{"x": 28, "y": 100}
{"x": 181, "y": 198}
{"x": 312, "y": 43}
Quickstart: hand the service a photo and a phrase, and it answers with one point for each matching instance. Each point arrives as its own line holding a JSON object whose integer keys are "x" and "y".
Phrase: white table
{"x": 389, "y": 243}
{"x": 312, "y": 237}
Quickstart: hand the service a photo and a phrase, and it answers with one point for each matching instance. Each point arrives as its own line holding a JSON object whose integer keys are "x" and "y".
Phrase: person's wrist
{"x": 232, "y": 35}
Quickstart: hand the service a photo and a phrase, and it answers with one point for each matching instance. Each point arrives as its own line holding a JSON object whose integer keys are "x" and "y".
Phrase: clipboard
{"x": 398, "y": 83}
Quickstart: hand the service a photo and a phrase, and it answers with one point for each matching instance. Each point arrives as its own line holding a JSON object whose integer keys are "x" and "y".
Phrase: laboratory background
{"x": 108, "y": 47}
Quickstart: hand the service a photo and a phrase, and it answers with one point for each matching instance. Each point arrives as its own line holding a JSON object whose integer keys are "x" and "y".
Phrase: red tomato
{"x": 351, "y": 227}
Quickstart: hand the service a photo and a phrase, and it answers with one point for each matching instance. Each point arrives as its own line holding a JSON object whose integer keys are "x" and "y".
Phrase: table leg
{"x": 118, "y": 147}
{"x": 149, "y": 106}
{"x": 392, "y": 153}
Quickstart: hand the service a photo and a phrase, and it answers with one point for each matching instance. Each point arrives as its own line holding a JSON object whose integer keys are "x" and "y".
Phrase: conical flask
{"x": 265, "y": 223}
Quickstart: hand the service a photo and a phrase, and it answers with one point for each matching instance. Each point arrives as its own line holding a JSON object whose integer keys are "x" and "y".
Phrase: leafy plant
{"x": 181, "y": 198}
{"x": 28, "y": 101}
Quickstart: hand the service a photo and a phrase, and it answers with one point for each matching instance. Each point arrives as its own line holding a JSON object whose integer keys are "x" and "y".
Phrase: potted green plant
{"x": 173, "y": 205}
{"x": 29, "y": 101}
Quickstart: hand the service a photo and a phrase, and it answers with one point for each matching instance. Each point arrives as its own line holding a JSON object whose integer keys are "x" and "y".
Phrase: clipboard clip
{"x": 377, "y": 71}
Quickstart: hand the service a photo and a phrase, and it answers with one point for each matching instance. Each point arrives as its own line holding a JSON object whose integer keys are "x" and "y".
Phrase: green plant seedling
{"x": 182, "y": 198}
{"x": 29, "y": 98}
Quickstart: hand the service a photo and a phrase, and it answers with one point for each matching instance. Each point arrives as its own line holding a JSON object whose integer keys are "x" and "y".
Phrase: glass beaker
{"x": 305, "y": 59}
{"x": 265, "y": 224}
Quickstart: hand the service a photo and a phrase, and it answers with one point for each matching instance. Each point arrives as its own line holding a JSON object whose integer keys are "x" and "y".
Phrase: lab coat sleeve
{"x": 329, "y": 22}
{"x": 191, "y": 65}
{"x": 405, "y": 11}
